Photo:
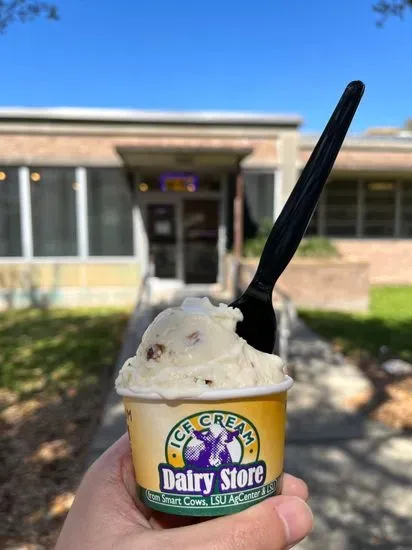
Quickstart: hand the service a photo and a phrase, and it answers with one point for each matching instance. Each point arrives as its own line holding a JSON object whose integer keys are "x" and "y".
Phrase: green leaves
{"x": 310, "y": 247}
{"x": 389, "y": 8}
{"x": 24, "y": 11}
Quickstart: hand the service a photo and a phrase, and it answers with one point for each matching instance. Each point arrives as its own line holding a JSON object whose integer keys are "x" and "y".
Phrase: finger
{"x": 114, "y": 468}
{"x": 293, "y": 486}
{"x": 116, "y": 463}
{"x": 274, "y": 524}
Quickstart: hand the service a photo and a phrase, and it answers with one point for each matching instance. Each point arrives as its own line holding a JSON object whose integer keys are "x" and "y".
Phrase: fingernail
{"x": 297, "y": 518}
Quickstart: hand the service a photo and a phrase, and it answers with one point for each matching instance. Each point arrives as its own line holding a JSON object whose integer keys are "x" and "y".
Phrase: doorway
{"x": 161, "y": 223}
{"x": 200, "y": 240}
{"x": 182, "y": 233}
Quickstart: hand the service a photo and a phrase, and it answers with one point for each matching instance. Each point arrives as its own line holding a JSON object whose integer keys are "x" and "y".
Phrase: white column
{"x": 81, "y": 213}
{"x": 360, "y": 214}
{"x": 222, "y": 235}
{"x": 140, "y": 241}
{"x": 277, "y": 193}
{"x": 398, "y": 208}
{"x": 25, "y": 213}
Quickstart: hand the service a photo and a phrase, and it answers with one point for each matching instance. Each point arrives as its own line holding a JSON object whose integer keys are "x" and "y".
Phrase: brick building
{"x": 87, "y": 196}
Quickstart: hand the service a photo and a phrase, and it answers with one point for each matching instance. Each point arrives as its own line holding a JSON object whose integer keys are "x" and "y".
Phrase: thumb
{"x": 274, "y": 524}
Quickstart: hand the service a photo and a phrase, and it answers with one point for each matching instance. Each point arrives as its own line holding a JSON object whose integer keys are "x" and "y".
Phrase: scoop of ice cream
{"x": 194, "y": 348}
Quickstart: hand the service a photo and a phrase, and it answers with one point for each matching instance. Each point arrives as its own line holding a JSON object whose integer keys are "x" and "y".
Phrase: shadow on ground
{"x": 390, "y": 396}
{"x": 358, "y": 470}
{"x": 56, "y": 368}
{"x": 359, "y": 492}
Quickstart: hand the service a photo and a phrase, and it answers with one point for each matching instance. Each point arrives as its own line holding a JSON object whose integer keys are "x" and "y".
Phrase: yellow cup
{"x": 212, "y": 455}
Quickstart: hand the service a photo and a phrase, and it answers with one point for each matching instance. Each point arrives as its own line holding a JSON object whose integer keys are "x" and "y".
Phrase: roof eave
{"x": 125, "y": 116}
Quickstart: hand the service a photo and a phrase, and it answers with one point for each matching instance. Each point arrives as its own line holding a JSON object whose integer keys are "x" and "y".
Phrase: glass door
{"x": 162, "y": 236}
{"x": 200, "y": 236}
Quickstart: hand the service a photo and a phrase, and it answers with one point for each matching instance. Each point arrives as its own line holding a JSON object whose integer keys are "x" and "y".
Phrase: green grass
{"x": 310, "y": 247}
{"x": 389, "y": 322}
{"x": 58, "y": 349}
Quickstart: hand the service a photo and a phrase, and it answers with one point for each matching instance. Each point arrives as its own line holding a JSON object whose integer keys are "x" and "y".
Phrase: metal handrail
{"x": 146, "y": 287}
{"x": 286, "y": 320}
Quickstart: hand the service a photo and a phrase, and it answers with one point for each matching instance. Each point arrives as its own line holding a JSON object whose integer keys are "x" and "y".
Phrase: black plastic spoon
{"x": 258, "y": 327}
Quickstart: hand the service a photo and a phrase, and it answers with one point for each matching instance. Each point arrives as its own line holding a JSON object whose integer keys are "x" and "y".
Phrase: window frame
{"x": 360, "y": 209}
{"x": 81, "y": 211}
{"x": 40, "y": 167}
{"x": 110, "y": 258}
{"x": 17, "y": 258}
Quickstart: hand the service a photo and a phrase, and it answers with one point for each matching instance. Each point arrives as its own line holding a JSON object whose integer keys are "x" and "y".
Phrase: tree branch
{"x": 389, "y": 8}
{"x": 24, "y": 11}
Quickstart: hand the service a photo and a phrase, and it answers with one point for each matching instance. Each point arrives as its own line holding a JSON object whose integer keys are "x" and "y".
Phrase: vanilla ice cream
{"x": 194, "y": 348}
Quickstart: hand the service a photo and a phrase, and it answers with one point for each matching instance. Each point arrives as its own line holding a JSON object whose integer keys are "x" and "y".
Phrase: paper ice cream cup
{"x": 212, "y": 455}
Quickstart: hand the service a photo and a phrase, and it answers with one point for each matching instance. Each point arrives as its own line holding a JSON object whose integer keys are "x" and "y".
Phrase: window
{"x": 53, "y": 207}
{"x": 109, "y": 213}
{"x": 259, "y": 195}
{"x": 341, "y": 201}
{"x": 406, "y": 220}
{"x": 379, "y": 209}
{"x": 312, "y": 229}
{"x": 10, "y": 232}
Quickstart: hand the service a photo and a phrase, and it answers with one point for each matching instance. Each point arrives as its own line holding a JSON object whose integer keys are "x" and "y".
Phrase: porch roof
{"x": 217, "y": 156}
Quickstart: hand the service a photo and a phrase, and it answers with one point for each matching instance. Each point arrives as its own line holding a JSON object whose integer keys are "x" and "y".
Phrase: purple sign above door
{"x": 179, "y": 181}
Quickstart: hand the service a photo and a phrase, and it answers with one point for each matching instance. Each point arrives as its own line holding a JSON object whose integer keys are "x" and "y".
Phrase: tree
{"x": 388, "y": 8}
{"x": 23, "y": 11}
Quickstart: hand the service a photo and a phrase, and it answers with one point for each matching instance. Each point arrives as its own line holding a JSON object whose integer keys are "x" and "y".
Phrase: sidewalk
{"x": 357, "y": 470}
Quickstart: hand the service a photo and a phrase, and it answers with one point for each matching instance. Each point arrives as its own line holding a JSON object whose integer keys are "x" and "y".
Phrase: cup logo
{"x": 212, "y": 453}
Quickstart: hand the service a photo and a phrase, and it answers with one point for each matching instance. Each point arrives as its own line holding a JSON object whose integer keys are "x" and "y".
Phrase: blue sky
{"x": 265, "y": 56}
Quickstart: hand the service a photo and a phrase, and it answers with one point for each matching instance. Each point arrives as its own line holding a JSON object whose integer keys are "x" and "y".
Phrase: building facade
{"x": 90, "y": 198}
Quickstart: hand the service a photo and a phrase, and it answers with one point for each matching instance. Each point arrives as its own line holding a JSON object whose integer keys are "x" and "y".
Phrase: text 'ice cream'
{"x": 194, "y": 348}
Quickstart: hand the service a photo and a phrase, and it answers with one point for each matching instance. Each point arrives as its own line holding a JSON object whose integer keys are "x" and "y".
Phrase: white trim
{"x": 81, "y": 213}
{"x": 140, "y": 240}
{"x": 25, "y": 212}
{"x": 49, "y": 114}
{"x": 360, "y": 210}
{"x": 277, "y": 193}
{"x": 222, "y": 231}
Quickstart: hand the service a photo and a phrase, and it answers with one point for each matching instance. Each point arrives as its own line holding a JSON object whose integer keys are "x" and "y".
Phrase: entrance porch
{"x": 182, "y": 209}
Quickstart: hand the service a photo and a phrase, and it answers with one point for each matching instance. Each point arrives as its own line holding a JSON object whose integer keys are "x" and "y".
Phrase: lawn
{"x": 56, "y": 369}
{"x": 388, "y": 323}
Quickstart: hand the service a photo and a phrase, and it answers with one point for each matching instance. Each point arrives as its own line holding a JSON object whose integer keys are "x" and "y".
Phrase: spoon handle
{"x": 292, "y": 223}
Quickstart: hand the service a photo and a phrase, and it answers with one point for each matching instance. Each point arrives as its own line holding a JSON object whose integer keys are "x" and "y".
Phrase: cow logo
{"x": 212, "y": 447}
{"x": 213, "y": 452}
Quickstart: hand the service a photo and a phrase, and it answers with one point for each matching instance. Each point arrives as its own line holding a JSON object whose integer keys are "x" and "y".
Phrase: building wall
{"x": 390, "y": 261}
{"x": 101, "y": 150}
{"x": 337, "y": 285}
{"x": 68, "y": 284}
